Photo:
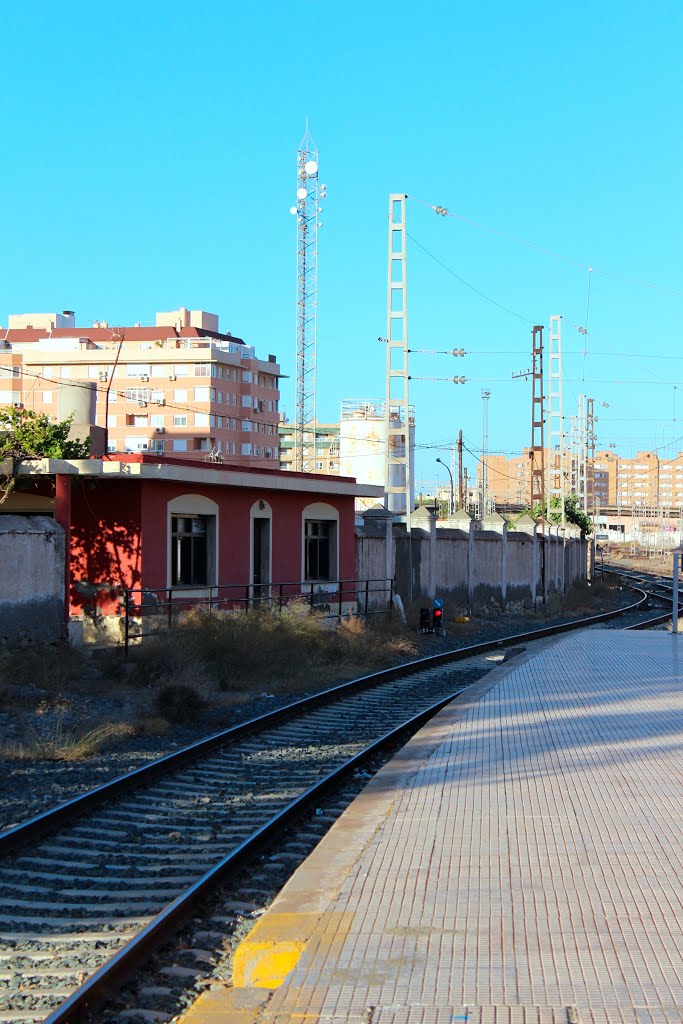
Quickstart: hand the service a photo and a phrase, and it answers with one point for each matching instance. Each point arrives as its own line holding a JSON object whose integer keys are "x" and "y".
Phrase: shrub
{"x": 288, "y": 651}
{"x": 178, "y": 703}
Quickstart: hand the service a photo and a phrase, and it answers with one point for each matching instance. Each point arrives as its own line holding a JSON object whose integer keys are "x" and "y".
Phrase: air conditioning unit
{"x": 102, "y": 375}
{"x": 160, "y": 401}
{"x": 144, "y": 376}
{"x": 159, "y": 430}
{"x": 142, "y": 403}
{"x": 17, "y": 405}
{"x": 171, "y": 376}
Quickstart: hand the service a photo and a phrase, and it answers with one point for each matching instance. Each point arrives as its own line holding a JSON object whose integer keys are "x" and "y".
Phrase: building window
{"x": 180, "y": 395}
{"x": 180, "y": 421}
{"x": 136, "y": 444}
{"x": 319, "y": 553}
{"x": 47, "y": 396}
{"x": 180, "y": 446}
{"x": 189, "y": 551}
{"x": 137, "y": 394}
{"x": 201, "y": 419}
{"x": 137, "y": 370}
{"x": 202, "y": 369}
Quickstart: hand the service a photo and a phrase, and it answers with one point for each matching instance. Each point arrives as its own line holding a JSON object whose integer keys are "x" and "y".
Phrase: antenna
{"x": 309, "y": 192}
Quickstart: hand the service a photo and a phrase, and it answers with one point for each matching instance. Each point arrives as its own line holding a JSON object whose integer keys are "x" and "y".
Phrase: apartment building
{"x": 508, "y": 479}
{"x": 180, "y": 387}
{"x": 326, "y": 446}
{"x": 643, "y": 481}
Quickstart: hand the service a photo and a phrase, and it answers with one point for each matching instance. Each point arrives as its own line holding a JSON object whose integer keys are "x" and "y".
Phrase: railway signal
{"x": 437, "y": 616}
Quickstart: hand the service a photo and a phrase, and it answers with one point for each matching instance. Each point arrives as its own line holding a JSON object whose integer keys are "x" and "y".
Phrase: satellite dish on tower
{"x": 311, "y": 167}
{"x": 301, "y": 193}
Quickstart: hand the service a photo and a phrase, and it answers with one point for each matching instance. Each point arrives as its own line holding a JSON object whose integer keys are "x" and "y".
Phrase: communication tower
{"x": 309, "y": 193}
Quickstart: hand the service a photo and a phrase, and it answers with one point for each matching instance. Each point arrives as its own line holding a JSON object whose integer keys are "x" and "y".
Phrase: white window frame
{"x": 194, "y": 505}
{"x": 320, "y": 511}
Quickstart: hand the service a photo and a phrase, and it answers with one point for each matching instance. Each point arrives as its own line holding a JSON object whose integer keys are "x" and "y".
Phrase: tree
{"x": 572, "y": 513}
{"x": 25, "y": 434}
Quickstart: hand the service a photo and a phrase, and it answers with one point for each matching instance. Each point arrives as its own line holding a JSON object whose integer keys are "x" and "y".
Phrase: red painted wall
{"x": 234, "y": 507}
{"x": 120, "y": 535}
{"x": 105, "y": 539}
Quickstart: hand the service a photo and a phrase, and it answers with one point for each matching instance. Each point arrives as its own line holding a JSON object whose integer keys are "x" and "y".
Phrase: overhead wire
{"x": 466, "y": 283}
{"x": 443, "y": 211}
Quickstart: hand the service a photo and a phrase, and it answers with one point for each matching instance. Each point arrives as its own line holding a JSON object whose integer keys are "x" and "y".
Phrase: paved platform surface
{"x": 520, "y": 861}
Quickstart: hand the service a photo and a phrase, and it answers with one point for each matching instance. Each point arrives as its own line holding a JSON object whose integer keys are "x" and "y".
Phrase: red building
{"x": 151, "y": 524}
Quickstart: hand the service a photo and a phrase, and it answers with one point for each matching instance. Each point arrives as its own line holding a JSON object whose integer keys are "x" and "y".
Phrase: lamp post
{"x": 452, "y": 505}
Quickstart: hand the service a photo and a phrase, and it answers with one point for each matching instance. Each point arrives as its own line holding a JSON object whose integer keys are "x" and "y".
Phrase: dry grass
{"x": 67, "y": 745}
{"x": 288, "y": 651}
{"x": 152, "y": 726}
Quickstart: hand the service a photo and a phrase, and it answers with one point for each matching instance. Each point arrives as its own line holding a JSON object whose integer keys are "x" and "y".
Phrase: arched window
{"x": 193, "y": 541}
{"x": 320, "y": 548}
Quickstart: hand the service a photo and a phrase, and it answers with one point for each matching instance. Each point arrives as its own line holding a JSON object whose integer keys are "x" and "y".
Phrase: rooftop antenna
{"x": 309, "y": 193}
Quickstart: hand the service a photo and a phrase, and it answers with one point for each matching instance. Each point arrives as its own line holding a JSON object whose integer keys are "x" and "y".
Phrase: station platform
{"x": 520, "y": 861}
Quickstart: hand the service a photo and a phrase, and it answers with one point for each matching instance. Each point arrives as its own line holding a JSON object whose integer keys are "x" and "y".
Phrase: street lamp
{"x": 452, "y": 506}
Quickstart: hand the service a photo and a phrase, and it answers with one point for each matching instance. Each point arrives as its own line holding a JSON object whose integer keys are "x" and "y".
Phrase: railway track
{"x": 90, "y": 889}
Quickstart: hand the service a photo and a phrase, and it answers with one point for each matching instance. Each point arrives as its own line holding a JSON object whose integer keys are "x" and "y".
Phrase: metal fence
{"x": 163, "y": 607}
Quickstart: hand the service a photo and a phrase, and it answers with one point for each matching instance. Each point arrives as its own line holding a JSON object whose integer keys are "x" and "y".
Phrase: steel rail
{"x": 47, "y": 821}
{"x": 127, "y": 960}
{"x": 658, "y": 619}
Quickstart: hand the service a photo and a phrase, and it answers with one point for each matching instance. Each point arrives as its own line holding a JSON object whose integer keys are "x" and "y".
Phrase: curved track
{"x": 89, "y": 889}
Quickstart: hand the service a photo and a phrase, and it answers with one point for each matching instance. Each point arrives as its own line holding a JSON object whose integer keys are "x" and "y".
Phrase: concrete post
{"x": 424, "y": 519}
{"x": 496, "y": 524}
{"x": 674, "y": 608}
{"x": 470, "y": 570}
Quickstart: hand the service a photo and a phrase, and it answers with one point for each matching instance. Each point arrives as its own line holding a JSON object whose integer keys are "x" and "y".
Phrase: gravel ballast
{"x": 37, "y": 785}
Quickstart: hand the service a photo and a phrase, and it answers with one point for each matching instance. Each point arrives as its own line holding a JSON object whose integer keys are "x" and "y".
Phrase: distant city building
{"x": 643, "y": 481}
{"x": 356, "y": 446}
{"x": 181, "y": 388}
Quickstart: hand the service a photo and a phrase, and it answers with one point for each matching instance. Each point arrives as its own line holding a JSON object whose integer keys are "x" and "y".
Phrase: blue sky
{"x": 150, "y": 157}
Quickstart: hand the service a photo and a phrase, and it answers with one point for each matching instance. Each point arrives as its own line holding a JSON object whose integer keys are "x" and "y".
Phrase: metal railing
{"x": 331, "y": 599}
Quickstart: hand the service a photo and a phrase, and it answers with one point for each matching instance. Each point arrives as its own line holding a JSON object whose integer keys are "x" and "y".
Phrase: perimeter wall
{"x": 484, "y": 570}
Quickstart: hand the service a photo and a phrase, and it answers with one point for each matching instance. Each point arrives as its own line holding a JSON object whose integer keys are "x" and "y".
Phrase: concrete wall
{"x": 31, "y": 580}
{"x": 484, "y": 570}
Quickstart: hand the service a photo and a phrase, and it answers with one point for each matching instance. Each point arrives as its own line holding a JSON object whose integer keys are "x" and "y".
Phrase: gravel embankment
{"x": 37, "y": 785}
